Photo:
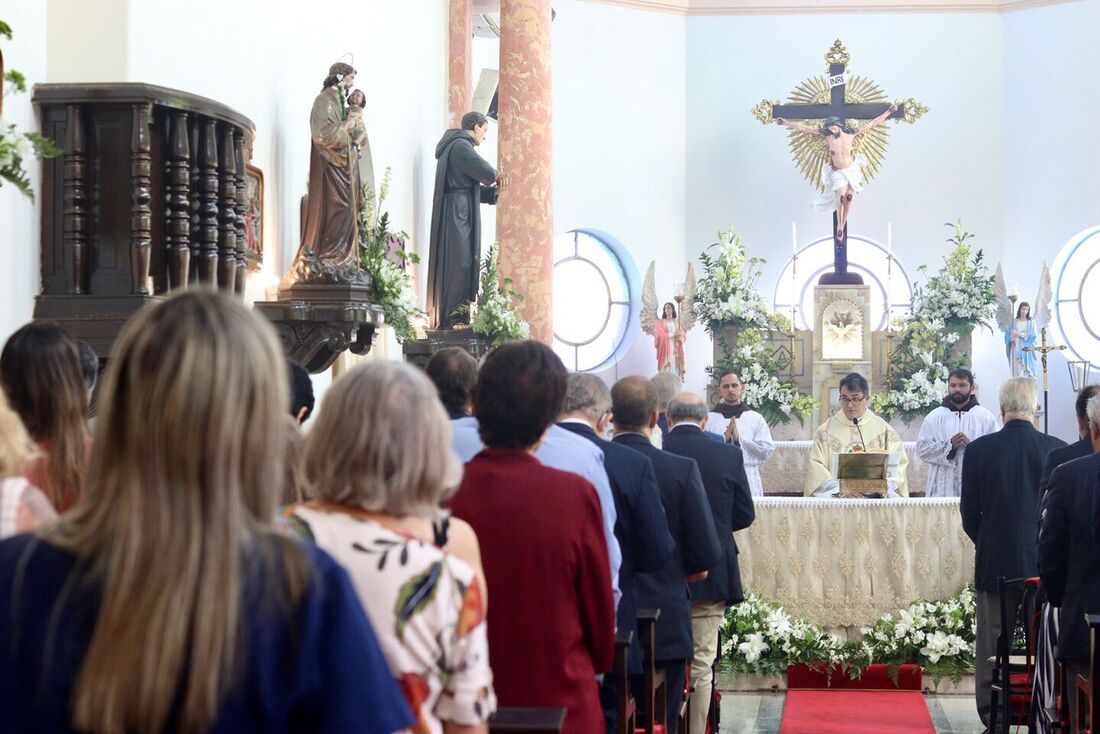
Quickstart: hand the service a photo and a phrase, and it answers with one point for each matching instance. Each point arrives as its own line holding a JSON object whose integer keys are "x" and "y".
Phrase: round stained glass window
{"x": 596, "y": 298}
{"x": 1076, "y": 286}
{"x": 887, "y": 279}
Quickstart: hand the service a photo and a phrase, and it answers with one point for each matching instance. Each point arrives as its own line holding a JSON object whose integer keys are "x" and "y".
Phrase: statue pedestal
{"x": 842, "y": 341}
{"x": 316, "y": 322}
{"x": 418, "y": 352}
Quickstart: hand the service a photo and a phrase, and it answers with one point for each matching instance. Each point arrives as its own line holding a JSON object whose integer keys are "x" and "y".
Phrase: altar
{"x": 844, "y": 563}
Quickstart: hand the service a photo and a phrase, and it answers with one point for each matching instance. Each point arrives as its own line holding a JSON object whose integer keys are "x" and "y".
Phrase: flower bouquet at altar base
{"x": 391, "y": 284}
{"x": 951, "y": 304}
{"x": 495, "y": 313}
{"x": 762, "y": 638}
{"x": 776, "y": 400}
{"x": 726, "y": 293}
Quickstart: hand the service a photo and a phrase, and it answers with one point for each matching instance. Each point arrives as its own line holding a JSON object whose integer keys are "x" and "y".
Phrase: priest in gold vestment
{"x": 854, "y": 428}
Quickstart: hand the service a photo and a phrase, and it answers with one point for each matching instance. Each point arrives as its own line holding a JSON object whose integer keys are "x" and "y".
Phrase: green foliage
{"x": 496, "y": 315}
{"x": 16, "y": 147}
{"x": 391, "y": 285}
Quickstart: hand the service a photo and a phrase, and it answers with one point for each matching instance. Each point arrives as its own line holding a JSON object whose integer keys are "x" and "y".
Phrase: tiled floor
{"x": 759, "y": 713}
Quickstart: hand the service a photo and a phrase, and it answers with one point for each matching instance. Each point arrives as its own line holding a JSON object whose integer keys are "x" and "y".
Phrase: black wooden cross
{"x": 838, "y": 106}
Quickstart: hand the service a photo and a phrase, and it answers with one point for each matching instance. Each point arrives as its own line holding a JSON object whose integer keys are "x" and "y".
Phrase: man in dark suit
{"x": 1083, "y": 447}
{"x": 634, "y": 412}
{"x": 723, "y": 472}
{"x": 1000, "y": 511}
{"x": 1069, "y": 554}
{"x": 640, "y": 524}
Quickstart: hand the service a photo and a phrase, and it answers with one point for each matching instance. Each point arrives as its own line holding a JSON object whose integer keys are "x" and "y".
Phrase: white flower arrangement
{"x": 956, "y": 299}
{"x": 759, "y": 371}
{"x": 727, "y": 296}
{"x": 762, "y": 638}
{"x": 727, "y": 291}
{"x": 495, "y": 314}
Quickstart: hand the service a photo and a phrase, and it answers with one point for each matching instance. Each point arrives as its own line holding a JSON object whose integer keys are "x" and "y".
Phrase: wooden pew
{"x": 654, "y": 701}
{"x": 522, "y": 720}
{"x": 1088, "y": 689}
{"x": 627, "y": 709}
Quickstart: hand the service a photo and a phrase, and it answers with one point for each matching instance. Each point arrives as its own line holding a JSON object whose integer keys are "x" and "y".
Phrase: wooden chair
{"x": 1014, "y": 667}
{"x": 522, "y": 720}
{"x": 627, "y": 709}
{"x": 1088, "y": 689}
{"x": 653, "y": 703}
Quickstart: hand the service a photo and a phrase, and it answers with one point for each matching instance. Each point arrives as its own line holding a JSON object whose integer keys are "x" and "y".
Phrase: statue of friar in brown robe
{"x": 463, "y": 181}
{"x": 329, "y": 252}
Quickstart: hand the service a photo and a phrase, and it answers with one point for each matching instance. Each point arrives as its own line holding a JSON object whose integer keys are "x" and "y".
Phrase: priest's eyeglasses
{"x": 852, "y": 400}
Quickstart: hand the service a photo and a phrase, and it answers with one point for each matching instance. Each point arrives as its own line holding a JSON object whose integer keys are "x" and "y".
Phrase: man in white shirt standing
{"x": 948, "y": 429}
{"x": 742, "y": 427}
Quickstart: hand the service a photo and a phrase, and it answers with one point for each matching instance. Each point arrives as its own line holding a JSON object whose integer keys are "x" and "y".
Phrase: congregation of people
{"x": 180, "y": 554}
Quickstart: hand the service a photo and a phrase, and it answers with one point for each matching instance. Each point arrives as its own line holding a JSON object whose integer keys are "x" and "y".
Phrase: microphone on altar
{"x": 855, "y": 422}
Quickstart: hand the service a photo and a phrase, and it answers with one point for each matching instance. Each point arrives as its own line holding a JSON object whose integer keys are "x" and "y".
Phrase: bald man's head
{"x": 687, "y": 407}
{"x": 633, "y": 404}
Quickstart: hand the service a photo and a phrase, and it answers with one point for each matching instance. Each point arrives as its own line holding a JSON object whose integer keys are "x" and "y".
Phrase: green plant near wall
{"x": 17, "y": 147}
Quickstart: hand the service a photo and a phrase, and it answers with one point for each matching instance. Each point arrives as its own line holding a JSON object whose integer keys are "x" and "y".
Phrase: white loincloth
{"x": 837, "y": 181}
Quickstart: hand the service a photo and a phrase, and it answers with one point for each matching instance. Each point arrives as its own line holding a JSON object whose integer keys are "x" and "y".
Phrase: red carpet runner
{"x": 856, "y": 712}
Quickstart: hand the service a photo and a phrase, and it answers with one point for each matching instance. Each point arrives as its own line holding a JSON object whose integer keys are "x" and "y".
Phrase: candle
{"x": 1015, "y": 289}
{"x": 889, "y": 238}
{"x": 794, "y": 238}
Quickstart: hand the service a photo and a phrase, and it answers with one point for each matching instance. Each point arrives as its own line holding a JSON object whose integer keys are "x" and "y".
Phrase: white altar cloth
{"x": 843, "y": 563}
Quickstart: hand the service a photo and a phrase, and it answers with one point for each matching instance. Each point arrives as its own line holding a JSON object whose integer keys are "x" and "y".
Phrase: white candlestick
{"x": 794, "y": 238}
{"x": 889, "y": 238}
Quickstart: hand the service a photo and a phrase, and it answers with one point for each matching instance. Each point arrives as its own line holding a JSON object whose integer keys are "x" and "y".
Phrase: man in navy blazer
{"x": 723, "y": 471}
{"x": 1083, "y": 447}
{"x": 640, "y": 524}
{"x": 1069, "y": 551}
{"x": 999, "y": 505}
{"x": 634, "y": 412}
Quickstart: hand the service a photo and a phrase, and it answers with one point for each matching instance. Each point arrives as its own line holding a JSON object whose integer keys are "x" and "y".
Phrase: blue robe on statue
{"x": 1027, "y": 363}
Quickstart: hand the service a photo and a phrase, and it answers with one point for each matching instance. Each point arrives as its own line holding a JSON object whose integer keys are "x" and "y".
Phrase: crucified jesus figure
{"x": 843, "y": 173}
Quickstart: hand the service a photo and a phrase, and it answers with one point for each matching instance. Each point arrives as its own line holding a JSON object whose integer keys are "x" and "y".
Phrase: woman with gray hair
{"x": 379, "y": 463}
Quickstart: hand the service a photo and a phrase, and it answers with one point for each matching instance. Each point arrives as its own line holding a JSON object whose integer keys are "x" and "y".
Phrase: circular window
{"x": 887, "y": 279}
{"x": 596, "y": 298}
{"x": 1076, "y": 289}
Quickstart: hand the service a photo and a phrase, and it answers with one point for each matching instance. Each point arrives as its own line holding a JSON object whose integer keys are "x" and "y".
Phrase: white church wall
{"x": 619, "y": 139}
{"x": 1051, "y": 155}
{"x": 740, "y": 173}
{"x": 19, "y": 217}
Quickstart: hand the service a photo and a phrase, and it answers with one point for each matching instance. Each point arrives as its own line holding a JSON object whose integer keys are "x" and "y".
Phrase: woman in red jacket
{"x": 552, "y": 618}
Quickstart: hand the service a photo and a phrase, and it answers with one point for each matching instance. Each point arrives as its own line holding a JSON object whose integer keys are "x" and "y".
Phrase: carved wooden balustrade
{"x": 149, "y": 195}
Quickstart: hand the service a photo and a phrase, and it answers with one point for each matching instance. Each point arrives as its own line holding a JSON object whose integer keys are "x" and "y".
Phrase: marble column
{"x": 460, "y": 47}
{"x": 525, "y": 209}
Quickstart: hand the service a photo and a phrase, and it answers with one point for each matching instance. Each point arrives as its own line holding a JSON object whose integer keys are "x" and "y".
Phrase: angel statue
{"x": 1021, "y": 329}
{"x": 670, "y": 328}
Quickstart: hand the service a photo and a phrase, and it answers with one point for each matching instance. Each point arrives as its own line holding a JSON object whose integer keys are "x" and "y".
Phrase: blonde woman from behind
{"x": 23, "y": 507}
{"x": 166, "y": 601}
{"x": 378, "y": 463}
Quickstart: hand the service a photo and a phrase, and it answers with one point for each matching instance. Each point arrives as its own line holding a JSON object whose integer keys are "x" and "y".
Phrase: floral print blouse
{"x": 426, "y": 607}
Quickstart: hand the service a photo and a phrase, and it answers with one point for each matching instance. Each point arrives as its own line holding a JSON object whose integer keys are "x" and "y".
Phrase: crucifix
{"x": 1044, "y": 350}
{"x": 836, "y": 158}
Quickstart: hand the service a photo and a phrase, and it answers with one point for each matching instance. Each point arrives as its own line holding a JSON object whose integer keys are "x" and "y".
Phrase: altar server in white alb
{"x": 742, "y": 427}
{"x": 948, "y": 429}
{"x": 852, "y": 429}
